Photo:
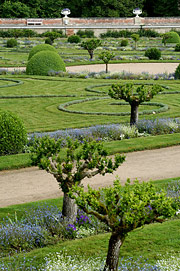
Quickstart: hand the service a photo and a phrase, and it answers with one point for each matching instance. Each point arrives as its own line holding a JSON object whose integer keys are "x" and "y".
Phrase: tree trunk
{"x": 106, "y": 67}
{"x": 91, "y": 53}
{"x": 112, "y": 259}
{"x": 134, "y": 114}
{"x": 69, "y": 209}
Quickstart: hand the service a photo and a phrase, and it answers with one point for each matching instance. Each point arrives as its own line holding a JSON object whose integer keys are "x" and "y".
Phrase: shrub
{"x": 11, "y": 43}
{"x": 74, "y": 39}
{"x": 13, "y": 136}
{"x": 177, "y": 47}
{"x": 39, "y": 48}
{"x": 43, "y": 62}
{"x": 171, "y": 37}
{"x": 148, "y": 33}
{"x": 153, "y": 53}
{"x": 124, "y": 43}
{"x": 48, "y": 41}
{"x": 86, "y": 33}
{"x": 177, "y": 72}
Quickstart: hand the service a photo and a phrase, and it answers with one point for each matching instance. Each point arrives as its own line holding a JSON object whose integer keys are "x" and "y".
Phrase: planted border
{"x": 63, "y": 107}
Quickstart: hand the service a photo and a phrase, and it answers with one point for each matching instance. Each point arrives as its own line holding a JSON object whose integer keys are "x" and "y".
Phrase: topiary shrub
{"x": 171, "y": 37}
{"x": 153, "y": 53}
{"x": 39, "y": 48}
{"x": 74, "y": 39}
{"x": 11, "y": 43}
{"x": 43, "y": 62}
{"x": 124, "y": 43}
{"x": 177, "y": 72}
{"x": 177, "y": 47}
{"x": 13, "y": 135}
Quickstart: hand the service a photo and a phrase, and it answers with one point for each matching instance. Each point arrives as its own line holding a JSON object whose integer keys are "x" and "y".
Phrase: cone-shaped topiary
{"x": 39, "y": 48}
{"x": 43, "y": 62}
{"x": 13, "y": 135}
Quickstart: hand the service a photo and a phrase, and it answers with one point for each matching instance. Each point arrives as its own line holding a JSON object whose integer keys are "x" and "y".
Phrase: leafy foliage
{"x": 13, "y": 135}
{"x": 153, "y": 53}
{"x": 43, "y": 62}
{"x": 11, "y": 43}
{"x": 177, "y": 72}
{"x": 40, "y": 47}
{"x": 135, "y": 37}
{"x": 177, "y": 47}
{"x": 74, "y": 39}
{"x": 106, "y": 56}
{"x": 90, "y": 46}
{"x": 171, "y": 37}
{"x": 123, "y": 209}
{"x": 124, "y": 43}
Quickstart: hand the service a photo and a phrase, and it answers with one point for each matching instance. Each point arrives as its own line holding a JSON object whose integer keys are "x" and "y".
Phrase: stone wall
{"x": 99, "y": 25}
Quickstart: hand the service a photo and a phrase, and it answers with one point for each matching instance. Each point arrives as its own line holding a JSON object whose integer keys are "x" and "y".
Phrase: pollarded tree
{"x": 72, "y": 164}
{"x": 134, "y": 95}
{"x": 106, "y": 56}
{"x": 123, "y": 209}
{"x": 135, "y": 37}
{"x": 90, "y": 46}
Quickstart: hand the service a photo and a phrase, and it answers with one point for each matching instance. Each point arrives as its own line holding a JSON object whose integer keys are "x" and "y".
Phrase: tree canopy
{"x": 86, "y": 8}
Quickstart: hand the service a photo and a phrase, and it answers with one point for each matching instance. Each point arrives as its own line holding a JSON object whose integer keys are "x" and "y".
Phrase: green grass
{"x": 127, "y": 145}
{"x": 152, "y": 241}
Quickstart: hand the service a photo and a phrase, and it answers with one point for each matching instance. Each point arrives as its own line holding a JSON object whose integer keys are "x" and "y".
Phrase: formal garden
{"x": 68, "y": 124}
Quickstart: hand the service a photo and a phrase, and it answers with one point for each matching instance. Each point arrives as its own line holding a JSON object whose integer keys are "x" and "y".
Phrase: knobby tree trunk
{"x": 134, "y": 114}
{"x": 69, "y": 209}
{"x": 112, "y": 259}
{"x": 106, "y": 67}
{"x": 91, "y": 53}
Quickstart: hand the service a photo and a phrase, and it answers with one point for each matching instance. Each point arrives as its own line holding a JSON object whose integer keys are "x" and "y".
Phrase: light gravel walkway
{"x": 32, "y": 184}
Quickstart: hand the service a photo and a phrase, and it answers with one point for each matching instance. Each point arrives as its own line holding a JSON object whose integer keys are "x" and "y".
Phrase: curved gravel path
{"x": 32, "y": 184}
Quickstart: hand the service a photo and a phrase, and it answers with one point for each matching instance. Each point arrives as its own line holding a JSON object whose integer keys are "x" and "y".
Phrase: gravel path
{"x": 32, "y": 184}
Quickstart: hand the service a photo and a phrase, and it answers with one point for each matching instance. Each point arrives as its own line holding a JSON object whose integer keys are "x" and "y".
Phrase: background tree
{"x": 135, "y": 37}
{"x": 106, "y": 56}
{"x": 134, "y": 95}
{"x": 15, "y": 10}
{"x": 72, "y": 164}
{"x": 90, "y": 46}
{"x": 123, "y": 209}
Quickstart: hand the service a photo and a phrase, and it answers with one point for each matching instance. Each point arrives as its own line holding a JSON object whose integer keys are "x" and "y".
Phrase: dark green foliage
{"x": 48, "y": 41}
{"x": 153, "y": 53}
{"x": 148, "y": 33}
{"x": 11, "y": 43}
{"x": 52, "y": 35}
{"x": 124, "y": 43}
{"x": 90, "y": 46}
{"x": 17, "y": 33}
{"x": 177, "y": 72}
{"x": 41, "y": 47}
{"x": 177, "y": 47}
{"x": 117, "y": 34}
{"x": 43, "y": 62}
{"x": 13, "y": 135}
{"x": 171, "y": 37}
{"x": 86, "y": 33}
{"x": 15, "y": 9}
{"x": 74, "y": 39}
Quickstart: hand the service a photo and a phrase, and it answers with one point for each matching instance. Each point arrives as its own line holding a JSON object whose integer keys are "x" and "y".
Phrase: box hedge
{"x": 44, "y": 62}
{"x": 13, "y": 135}
{"x": 40, "y": 47}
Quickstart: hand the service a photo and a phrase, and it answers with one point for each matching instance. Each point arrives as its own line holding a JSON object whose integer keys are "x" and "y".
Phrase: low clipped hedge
{"x": 43, "y": 62}
{"x": 13, "y": 135}
{"x": 41, "y": 47}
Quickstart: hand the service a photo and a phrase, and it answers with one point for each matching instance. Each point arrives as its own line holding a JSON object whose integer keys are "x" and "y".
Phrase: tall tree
{"x": 17, "y": 9}
{"x": 134, "y": 95}
{"x": 123, "y": 209}
{"x": 162, "y": 8}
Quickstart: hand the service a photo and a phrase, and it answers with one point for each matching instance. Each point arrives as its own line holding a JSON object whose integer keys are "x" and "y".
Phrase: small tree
{"x": 106, "y": 56}
{"x": 52, "y": 35}
{"x": 135, "y": 37}
{"x": 123, "y": 209}
{"x": 72, "y": 164}
{"x": 134, "y": 95}
{"x": 90, "y": 46}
